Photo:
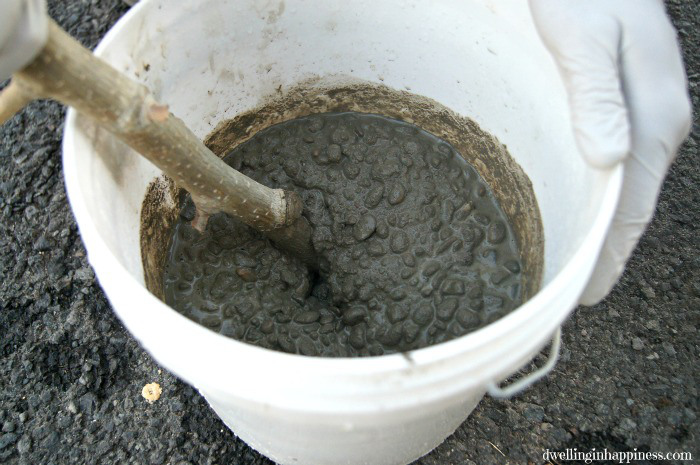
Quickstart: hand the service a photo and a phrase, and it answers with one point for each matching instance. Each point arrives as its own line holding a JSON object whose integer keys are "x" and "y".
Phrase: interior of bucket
{"x": 507, "y": 180}
{"x": 481, "y": 80}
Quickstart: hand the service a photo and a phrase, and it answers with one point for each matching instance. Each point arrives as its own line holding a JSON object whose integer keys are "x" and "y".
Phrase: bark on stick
{"x": 65, "y": 71}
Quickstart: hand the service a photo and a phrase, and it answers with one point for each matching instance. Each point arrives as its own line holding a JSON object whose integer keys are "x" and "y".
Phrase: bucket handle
{"x": 528, "y": 380}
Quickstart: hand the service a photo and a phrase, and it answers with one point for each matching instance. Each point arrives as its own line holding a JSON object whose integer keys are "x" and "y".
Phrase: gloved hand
{"x": 622, "y": 68}
{"x": 23, "y": 33}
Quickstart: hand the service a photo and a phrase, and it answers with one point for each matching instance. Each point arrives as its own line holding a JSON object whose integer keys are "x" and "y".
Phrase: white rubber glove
{"x": 629, "y": 103}
{"x": 23, "y": 33}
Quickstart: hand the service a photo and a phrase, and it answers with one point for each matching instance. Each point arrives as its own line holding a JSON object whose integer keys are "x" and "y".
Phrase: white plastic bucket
{"x": 213, "y": 59}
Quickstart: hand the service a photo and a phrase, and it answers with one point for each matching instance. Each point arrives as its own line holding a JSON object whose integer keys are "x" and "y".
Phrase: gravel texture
{"x": 423, "y": 256}
{"x": 71, "y": 377}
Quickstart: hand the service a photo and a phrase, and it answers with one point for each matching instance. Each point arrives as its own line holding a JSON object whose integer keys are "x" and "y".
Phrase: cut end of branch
{"x": 200, "y": 220}
{"x": 12, "y": 99}
{"x": 157, "y": 112}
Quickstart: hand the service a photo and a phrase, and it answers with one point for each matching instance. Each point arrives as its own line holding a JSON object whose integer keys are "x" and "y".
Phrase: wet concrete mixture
{"x": 415, "y": 249}
{"x": 71, "y": 376}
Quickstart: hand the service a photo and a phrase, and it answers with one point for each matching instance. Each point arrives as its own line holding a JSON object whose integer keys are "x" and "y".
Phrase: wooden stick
{"x": 12, "y": 99}
{"x": 65, "y": 71}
